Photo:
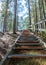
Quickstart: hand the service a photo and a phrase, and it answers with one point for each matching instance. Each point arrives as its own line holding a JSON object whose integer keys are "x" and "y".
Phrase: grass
{"x": 29, "y": 61}
{"x": 33, "y": 62}
{"x": 31, "y": 52}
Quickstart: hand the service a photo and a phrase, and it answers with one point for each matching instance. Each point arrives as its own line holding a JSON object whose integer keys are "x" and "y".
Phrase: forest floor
{"x": 6, "y": 42}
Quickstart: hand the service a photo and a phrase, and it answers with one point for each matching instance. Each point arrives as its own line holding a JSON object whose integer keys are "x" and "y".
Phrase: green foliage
{"x": 40, "y": 33}
{"x": 44, "y": 35}
{"x": 25, "y": 22}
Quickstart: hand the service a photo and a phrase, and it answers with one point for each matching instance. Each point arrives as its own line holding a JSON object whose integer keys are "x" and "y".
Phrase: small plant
{"x": 45, "y": 35}
{"x": 40, "y": 33}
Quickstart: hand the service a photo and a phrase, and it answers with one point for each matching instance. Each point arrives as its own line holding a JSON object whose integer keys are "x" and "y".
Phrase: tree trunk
{"x": 43, "y": 8}
{"x": 15, "y": 11}
{"x": 5, "y": 17}
{"x": 36, "y": 17}
{"x": 40, "y": 10}
{"x": 45, "y": 2}
{"x": 36, "y": 12}
{"x": 29, "y": 11}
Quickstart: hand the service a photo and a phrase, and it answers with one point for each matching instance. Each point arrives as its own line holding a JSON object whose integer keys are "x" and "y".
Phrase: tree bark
{"x": 43, "y": 8}
{"x": 40, "y": 10}
{"x": 5, "y": 17}
{"x": 15, "y": 11}
{"x": 36, "y": 17}
{"x": 36, "y": 12}
{"x": 29, "y": 11}
{"x": 45, "y": 2}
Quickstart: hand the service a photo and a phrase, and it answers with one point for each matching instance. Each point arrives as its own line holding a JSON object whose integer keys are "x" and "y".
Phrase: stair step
{"x": 27, "y": 41}
{"x": 29, "y": 38}
{"x": 14, "y": 56}
{"x": 28, "y": 44}
{"x": 29, "y": 48}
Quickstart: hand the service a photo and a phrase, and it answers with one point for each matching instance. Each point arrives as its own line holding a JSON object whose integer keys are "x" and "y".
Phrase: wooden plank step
{"x": 14, "y": 56}
{"x": 29, "y": 48}
{"x": 28, "y": 44}
{"x": 27, "y": 41}
{"x": 29, "y": 36}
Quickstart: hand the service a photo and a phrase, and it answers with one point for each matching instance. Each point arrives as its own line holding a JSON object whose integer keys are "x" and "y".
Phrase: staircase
{"x": 28, "y": 42}
{"x": 24, "y": 45}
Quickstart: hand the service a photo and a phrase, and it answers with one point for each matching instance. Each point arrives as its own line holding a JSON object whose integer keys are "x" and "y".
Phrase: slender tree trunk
{"x": 36, "y": 17}
{"x": 45, "y": 2}
{"x": 36, "y": 12}
{"x": 40, "y": 10}
{"x": 15, "y": 11}
{"x": 43, "y": 8}
{"x": 29, "y": 11}
{"x": 5, "y": 17}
